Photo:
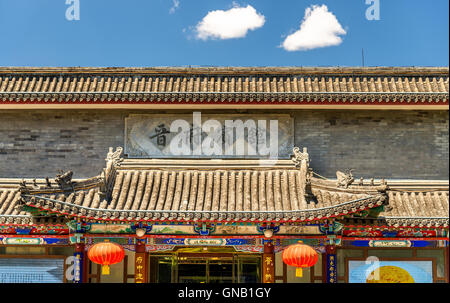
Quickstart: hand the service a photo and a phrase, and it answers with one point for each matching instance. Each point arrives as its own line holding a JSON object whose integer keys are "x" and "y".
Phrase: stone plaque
{"x": 209, "y": 136}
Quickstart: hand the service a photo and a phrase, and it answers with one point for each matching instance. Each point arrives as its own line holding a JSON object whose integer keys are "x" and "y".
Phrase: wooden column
{"x": 268, "y": 263}
{"x": 140, "y": 263}
{"x": 79, "y": 264}
{"x": 331, "y": 263}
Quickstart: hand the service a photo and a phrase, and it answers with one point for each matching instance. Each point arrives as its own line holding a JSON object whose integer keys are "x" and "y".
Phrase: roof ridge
{"x": 233, "y": 70}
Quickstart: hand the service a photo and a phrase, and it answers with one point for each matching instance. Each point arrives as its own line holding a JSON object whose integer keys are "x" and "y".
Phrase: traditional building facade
{"x": 215, "y": 171}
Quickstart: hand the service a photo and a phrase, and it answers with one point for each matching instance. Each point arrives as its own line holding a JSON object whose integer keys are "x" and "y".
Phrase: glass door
{"x": 192, "y": 270}
{"x": 220, "y": 270}
{"x": 248, "y": 269}
{"x": 206, "y": 268}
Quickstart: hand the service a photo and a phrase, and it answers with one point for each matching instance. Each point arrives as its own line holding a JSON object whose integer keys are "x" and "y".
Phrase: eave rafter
{"x": 73, "y": 210}
{"x": 414, "y": 222}
{"x": 409, "y": 98}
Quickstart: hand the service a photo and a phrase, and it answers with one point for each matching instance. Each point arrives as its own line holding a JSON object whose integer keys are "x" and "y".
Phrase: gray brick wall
{"x": 39, "y": 143}
{"x": 379, "y": 144}
{"x": 389, "y": 144}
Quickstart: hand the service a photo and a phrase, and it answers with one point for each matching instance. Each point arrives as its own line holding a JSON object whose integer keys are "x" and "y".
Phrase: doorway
{"x": 206, "y": 268}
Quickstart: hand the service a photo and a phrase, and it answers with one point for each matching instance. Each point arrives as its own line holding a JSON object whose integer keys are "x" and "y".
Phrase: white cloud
{"x": 319, "y": 28}
{"x": 233, "y": 23}
{"x": 176, "y": 4}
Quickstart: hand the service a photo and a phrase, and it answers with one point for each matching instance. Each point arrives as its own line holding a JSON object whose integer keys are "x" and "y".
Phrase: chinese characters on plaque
{"x": 140, "y": 268}
{"x": 78, "y": 267}
{"x": 197, "y": 135}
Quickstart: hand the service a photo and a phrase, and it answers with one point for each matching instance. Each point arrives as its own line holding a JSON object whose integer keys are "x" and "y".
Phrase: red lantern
{"x": 105, "y": 254}
{"x": 300, "y": 255}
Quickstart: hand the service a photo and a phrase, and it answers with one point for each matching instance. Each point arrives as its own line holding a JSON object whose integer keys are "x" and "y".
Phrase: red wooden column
{"x": 140, "y": 263}
{"x": 268, "y": 263}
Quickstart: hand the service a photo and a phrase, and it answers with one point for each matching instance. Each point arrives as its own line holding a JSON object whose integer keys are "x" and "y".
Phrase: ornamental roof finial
{"x": 114, "y": 156}
{"x": 299, "y": 156}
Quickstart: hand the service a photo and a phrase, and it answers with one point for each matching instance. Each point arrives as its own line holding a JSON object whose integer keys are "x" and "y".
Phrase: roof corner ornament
{"x": 384, "y": 185}
{"x": 64, "y": 179}
{"x": 47, "y": 182}
{"x": 299, "y": 156}
{"x": 114, "y": 156}
{"x": 23, "y": 187}
{"x": 361, "y": 181}
{"x": 113, "y": 160}
{"x": 344, "y": 179}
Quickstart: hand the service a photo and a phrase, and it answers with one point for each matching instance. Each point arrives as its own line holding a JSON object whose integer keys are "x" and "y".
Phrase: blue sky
{"x": 149, "y": 33}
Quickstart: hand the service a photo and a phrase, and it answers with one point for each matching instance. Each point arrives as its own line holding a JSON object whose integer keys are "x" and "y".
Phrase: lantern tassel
{"x": 299, "y": 272}
{"x": 105, "y": 270}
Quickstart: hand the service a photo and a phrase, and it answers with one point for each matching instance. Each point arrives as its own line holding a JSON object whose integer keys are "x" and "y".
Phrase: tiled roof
{"x": 404, "y": 209}
{"x": 187, "y": 191}
{"x": 212, "y": 190}
{"x": 225, "y": 85}
{"x": 9, "y": 207}
{"x": 205, "y": 196}
{"x": 208, "y": 195}
{"x": 417, "y": 209}
{"x": 11, "y": 210}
